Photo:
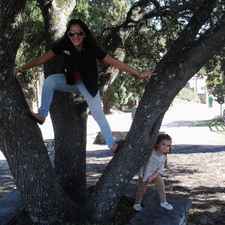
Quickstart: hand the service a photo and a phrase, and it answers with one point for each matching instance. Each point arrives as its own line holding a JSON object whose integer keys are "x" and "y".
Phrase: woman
{"x": 80, "y": 50}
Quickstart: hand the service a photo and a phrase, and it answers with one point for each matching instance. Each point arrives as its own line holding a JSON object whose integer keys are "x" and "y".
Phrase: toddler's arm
{"x": 153, "y": 176}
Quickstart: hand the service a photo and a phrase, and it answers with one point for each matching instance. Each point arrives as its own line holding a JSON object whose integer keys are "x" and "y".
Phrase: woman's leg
{"x": 95, "y": 107}
{"x": 51, "y": 84}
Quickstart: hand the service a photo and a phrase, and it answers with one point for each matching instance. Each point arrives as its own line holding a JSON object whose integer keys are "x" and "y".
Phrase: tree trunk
{"x": 173, "y": 73}
{"x": 70, "y": 145}
{"x": 20, "y": 138}
{"x": 68, "y": 114}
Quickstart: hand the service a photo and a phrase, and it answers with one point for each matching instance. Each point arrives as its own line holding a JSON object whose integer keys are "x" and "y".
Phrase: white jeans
{"x": 57, "y": 82}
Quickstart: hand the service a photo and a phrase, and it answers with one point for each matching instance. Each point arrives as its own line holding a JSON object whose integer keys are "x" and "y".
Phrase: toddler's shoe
{"x": 166, "y": 205}
{"x": 137, "y": 207}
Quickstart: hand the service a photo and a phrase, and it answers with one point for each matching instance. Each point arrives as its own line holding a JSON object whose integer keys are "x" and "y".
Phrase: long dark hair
{"x": 89, "y": 40}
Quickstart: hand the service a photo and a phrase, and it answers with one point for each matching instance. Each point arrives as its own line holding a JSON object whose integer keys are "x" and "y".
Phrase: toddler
{"x": 152, "y": 171}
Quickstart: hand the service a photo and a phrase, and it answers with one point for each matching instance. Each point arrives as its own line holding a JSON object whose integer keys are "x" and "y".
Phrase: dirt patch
{"x": 201, "y": 177}
{"x": 196, "y": 172}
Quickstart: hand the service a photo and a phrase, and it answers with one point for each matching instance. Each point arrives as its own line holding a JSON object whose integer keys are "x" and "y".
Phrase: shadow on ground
{"x": 176, "y": 149}
{"x": 189, "y": 149}
{"x": 208, "y": 208}
{"x": 208, "y": 202}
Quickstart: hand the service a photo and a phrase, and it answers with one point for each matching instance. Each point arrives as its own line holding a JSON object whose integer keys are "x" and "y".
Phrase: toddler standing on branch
{"x": 152, "y": 171}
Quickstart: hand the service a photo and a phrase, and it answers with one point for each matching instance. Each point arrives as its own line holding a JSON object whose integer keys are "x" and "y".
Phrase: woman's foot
{"x": 116, "y": 146}
{"x": 37, "y": 117}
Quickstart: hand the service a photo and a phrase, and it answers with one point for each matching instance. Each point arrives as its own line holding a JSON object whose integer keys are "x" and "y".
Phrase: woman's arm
{"x": 124, "y": 67}
{"x": 36, "y": 62}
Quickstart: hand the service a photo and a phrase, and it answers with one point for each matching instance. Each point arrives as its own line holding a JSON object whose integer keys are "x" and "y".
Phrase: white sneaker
{"x": 166, "y": 205}
{"x": 137, "y": 207}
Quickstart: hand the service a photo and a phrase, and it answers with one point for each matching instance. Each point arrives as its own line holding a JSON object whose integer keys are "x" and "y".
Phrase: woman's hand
{"x": 36, "y": 62}
{"x": 146, "y": 75}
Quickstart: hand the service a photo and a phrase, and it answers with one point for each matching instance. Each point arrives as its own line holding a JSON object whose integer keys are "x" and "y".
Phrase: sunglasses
{"x": 71, "y": 34}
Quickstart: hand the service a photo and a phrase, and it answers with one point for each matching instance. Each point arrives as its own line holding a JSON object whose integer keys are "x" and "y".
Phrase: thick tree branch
{"x": 173, "y": 73}
{"x": 189, "y": 34}
{"x": 52, "y": 9}
{"x": 145, "y": 9}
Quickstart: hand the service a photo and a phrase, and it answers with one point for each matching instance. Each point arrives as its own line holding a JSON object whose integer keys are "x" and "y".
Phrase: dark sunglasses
{"x": 71, "y": 34}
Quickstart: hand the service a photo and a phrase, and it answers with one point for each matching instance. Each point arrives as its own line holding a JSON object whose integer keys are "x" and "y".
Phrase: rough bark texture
{"x": 20, "y": 138}
{"x": 70, "y": 145}
{"x": 67, "y": 112}
{"x": 173, "y": 73}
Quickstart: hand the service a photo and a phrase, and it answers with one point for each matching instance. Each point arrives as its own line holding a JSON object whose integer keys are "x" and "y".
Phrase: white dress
{"x": 156, "y": 162}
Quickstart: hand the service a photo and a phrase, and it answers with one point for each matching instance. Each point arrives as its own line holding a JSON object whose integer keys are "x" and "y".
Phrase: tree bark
{"x": 173, "y": 73}
{"x": 20, "y": 138}
{"x": 70, "y": 145}
{"x": 68, "y": 115}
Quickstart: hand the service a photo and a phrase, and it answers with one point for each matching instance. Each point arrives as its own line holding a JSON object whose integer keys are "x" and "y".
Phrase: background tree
{"x": 216, "y": 80}
{"x": 31, "y": 46}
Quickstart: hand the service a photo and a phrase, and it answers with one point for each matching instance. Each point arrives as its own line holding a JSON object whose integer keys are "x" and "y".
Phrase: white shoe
{"x": 166, "y": 205}
{"x": 137, "y": 207}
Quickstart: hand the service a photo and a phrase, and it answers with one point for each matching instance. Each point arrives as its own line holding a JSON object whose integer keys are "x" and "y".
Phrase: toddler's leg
{"x": 160, "y": 185}
{"x": 141, "y": 189}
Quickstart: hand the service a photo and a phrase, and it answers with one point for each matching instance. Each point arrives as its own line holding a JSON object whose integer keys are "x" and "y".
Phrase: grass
{"x": 217, "y": 125}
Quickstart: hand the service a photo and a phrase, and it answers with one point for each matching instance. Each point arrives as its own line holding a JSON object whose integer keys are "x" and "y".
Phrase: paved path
{"x": 178, "y": 122}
